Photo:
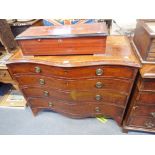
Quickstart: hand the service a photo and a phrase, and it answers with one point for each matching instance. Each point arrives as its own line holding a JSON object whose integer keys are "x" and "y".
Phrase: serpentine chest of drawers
{"x": 79, "y": 86}
{"x": 141, "y": 113}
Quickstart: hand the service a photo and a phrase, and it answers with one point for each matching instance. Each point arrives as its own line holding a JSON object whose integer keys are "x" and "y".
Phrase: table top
{"x": 118, "y": 52}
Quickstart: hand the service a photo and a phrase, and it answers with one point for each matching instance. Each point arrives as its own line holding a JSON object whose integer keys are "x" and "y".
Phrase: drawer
{"x": 83, "y": 109}
{"x": 142, "y": 110}
{"x": 146, "y": 84}
{"x": 100, "y": 96}
{"x": 73, "y": 72}
{"x": 141, "y": 122}
{"x": 147, "y": 98}
{"x": 4, "y": 75}
{"x": 120, "y": 85}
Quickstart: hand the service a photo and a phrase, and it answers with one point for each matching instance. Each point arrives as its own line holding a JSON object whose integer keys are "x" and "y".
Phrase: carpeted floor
{"x": 19, "y": 121}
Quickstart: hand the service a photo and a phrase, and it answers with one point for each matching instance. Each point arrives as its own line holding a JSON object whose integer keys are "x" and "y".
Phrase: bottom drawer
{"x": 142, "y": 110}
{"x": 141, "y": 122}
{"x": 78, "y": 110}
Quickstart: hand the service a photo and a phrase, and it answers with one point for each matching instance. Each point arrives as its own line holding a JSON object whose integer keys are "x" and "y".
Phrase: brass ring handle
{"x": 50, "y": 104}
{"x": 98, "y": 97}
{"x": 97, "y": 109}
{"x": 46, "y": 93}
{"x": 99, "y": 71}
{"x": 37, "y": 69}
{"x": 149, "y": 124}
{"x": 99, "y": 84}
{"x": 152, "y": 114}
{"x": 42, "y": 81}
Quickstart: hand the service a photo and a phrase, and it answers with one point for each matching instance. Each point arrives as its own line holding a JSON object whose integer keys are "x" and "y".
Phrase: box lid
{"x": 64, "y": 31}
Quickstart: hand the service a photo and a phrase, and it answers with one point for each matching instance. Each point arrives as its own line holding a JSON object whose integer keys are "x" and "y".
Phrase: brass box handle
{"x": 37, "y": 69}
{"x": 99, "y": 84}
{"x": 99, "y": 71}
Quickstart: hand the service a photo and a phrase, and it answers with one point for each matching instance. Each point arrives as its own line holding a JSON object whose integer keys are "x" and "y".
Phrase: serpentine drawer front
{"x": 79, "y": 86}
{"x": 141, "y": 112}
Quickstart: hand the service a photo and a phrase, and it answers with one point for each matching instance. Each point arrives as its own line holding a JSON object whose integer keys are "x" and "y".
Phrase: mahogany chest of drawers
{"x": 64, "y": 40}
{"x": 79, "y": 86}
{"x": 144, "y": 40}
{"x": 141, "y": 113}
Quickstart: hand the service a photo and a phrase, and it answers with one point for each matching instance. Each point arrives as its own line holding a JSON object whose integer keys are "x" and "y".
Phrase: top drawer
{"x": 146, "y": 84}
{"x": 72, "y": 72}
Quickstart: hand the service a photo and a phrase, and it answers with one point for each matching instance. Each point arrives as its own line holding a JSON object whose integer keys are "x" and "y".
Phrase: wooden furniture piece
{"x": 144, "y": 40}
{"x": 6, "y": 36}
{"x": 79, "y": 86}
{"x": 18, "y": 26}
{"x": 141, "y": 113}
{"x": 64, "y": 40}
{"x": 5, "y": 76}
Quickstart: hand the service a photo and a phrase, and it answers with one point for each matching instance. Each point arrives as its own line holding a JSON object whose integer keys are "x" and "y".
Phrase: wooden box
{"x": 64, "y": 40}
{"x": 144, "y": 39}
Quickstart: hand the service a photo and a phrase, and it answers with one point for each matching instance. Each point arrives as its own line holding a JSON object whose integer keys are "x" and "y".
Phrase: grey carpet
{"x": 19, "y": 121}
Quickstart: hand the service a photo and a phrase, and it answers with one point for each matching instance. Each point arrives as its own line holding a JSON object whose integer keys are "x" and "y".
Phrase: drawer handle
{"x": 99, "y": 84}
{"x": 42, "y": 81}
{"x": 50, "y": 104}
{"x": 97, "y": 109}
{"x": 152, "y": 114}
{"x": 37, "y": 69}
{"x": 98, "y": 97}
{"x": 46, "y": 93}
{"x": 99, "y": 71}
{"x": 149, "y": 124}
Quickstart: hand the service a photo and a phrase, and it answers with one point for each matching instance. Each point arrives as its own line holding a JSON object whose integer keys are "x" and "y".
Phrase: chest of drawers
{"x": 144, "y": 40}
{"x": 79, "y": 86}
{"x": 141, "y": 113}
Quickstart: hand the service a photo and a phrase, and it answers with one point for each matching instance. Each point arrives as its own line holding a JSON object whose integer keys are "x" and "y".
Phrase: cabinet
{"x": 141, "y": 113}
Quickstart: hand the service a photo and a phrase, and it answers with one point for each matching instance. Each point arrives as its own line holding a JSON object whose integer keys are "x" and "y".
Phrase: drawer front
{"x": 87, "y": 109}
{"x": 81, "y": 84}
{"x": 63, "y": 46}
{"x": 147, "y": 98}
{"x": 73, "y": 72}
{"x": 146, "y": 84}
{"x": 141, "y": 122}
{"x": 142, "y": 110}
{"x": 4, "y": 75}
{"x": 99, "y": 96}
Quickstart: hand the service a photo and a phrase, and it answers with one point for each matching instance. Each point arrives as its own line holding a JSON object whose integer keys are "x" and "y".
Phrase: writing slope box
{"x": 64, "y": 40}
{"x": 144, "y": 39}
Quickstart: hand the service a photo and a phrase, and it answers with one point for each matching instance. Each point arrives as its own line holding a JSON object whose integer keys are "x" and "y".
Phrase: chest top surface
{"x": 118, "y": 52}
{"x": 148, "y": 71}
